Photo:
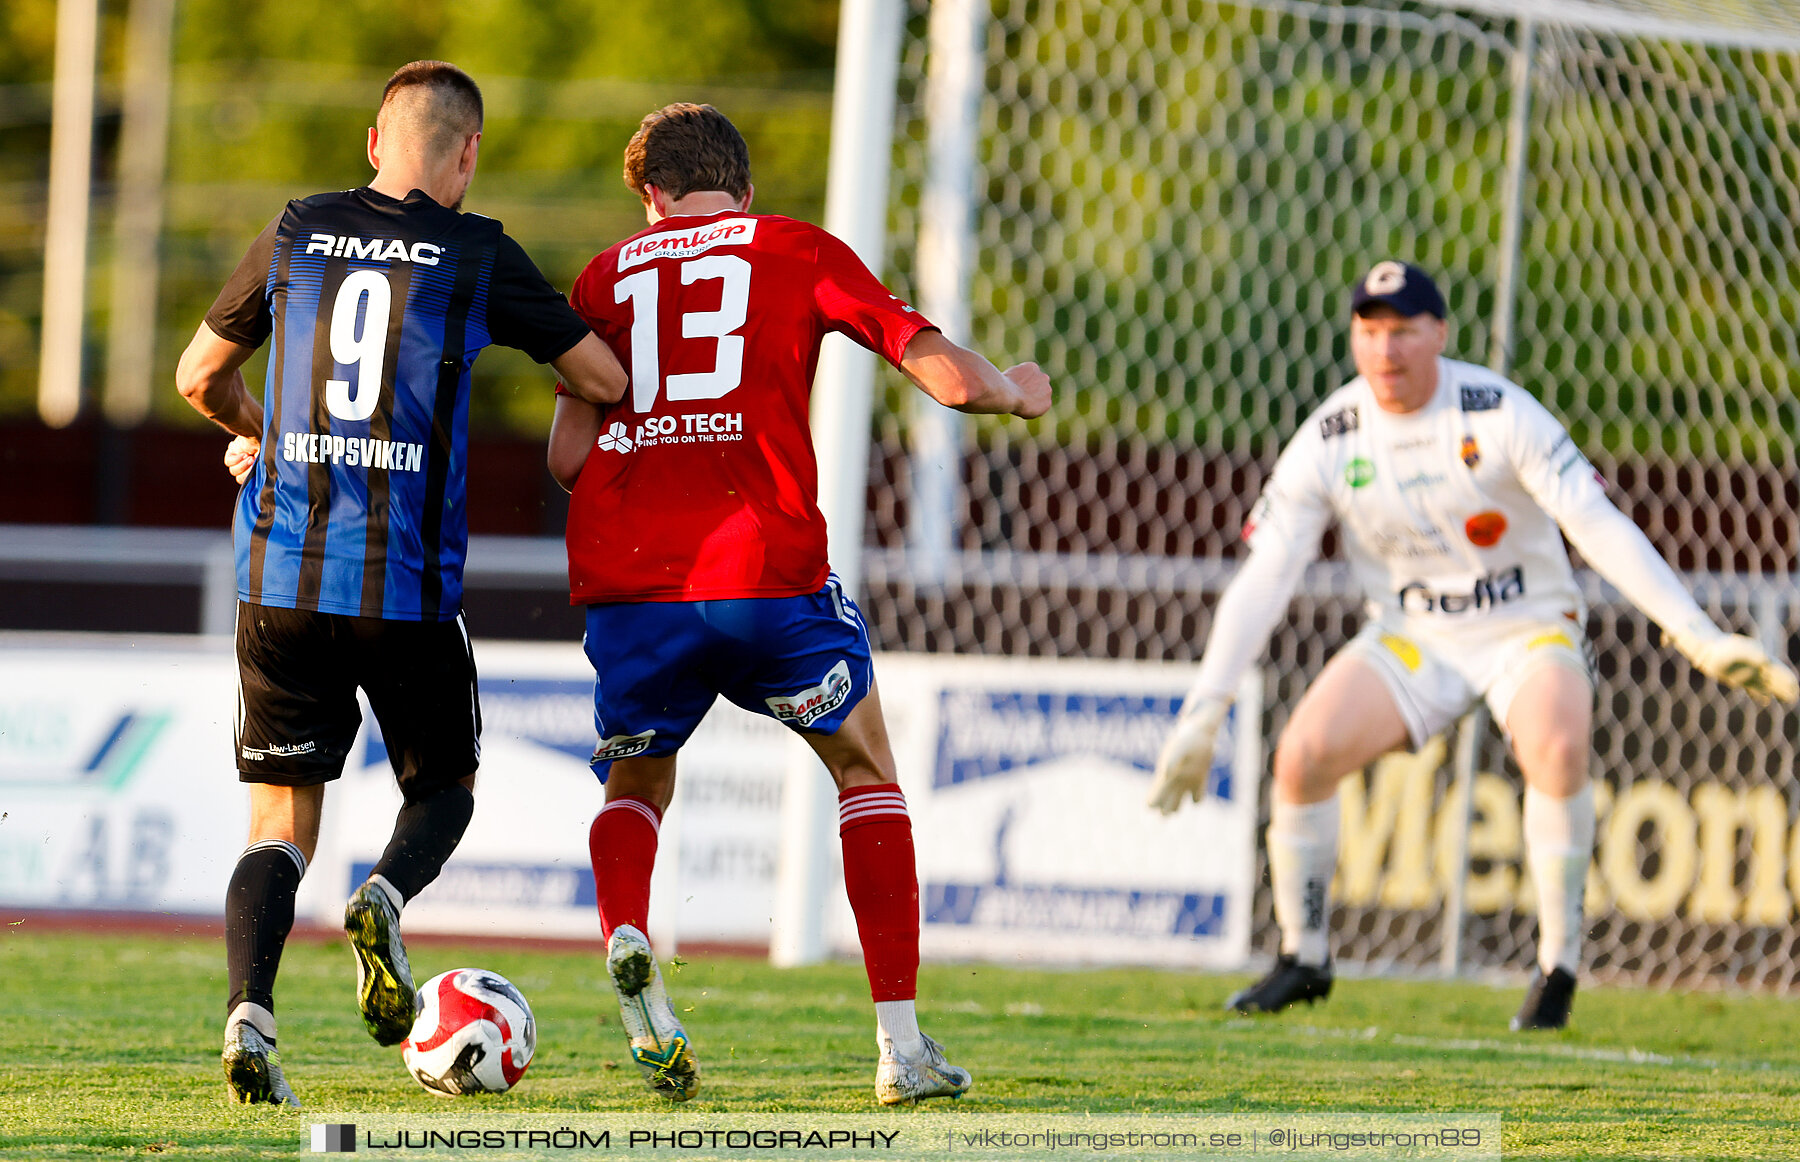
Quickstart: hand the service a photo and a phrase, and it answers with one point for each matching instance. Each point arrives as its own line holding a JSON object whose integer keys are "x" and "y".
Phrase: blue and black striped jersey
{"x": 378, "y": 306}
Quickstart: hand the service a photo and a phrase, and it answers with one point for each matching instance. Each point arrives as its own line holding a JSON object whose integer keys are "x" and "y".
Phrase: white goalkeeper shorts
{"x": 1434, "y": 680}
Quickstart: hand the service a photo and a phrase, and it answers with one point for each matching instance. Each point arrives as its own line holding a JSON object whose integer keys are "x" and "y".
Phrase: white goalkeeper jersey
{"x": 1450, "y": 518}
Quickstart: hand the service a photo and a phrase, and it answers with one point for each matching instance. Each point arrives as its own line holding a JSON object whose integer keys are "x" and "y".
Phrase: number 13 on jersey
{"x": 643, "y": 290}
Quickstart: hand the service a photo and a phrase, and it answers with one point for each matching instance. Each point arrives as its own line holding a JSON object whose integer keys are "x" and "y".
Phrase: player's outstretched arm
{"x": 1619, "y": 551}
{"x": 573, "y": 431}
{"x": 1245, "y": 617}
{"x": 592, "y": 372}
{"x": 1561, "y": 480}
{"x": 1283, "y": 533}
{"x": 211, "y": 379}
{"x": 959, "y": 378}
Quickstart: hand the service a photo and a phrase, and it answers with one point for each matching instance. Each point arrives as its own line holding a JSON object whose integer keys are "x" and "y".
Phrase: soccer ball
{"x": 474, "y": 1034}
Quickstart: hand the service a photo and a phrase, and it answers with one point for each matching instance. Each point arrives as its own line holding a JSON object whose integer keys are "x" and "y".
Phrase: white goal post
{"x": 862, "y": 134}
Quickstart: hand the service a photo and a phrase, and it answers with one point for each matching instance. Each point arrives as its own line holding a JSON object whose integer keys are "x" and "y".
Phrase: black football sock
{"x": 259, "y": 914}
{"x": 425, "y": 833}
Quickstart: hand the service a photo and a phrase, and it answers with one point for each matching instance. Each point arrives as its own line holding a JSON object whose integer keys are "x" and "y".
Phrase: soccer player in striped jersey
{"x": 351, "y": 530}
{"x": 696, "y": 543}
{"x": 1453, "y": 488}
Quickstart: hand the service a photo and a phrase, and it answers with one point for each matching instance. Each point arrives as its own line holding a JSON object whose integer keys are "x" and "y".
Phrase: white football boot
{"x": 913, "y": 1079}
{"x": 659, "y": 1044}
{"x": 252, "y": 1067}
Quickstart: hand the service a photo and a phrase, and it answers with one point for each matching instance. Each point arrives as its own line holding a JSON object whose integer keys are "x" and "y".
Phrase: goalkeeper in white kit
{"x": 1450, "y": 484}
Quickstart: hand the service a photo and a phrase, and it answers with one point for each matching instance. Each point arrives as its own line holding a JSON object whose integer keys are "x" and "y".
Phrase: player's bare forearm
{"x": 211, "y": 379}
{"x": 573, "y": 431}
{"x": 592, "y": 372}
{"x": 959, "y": 378}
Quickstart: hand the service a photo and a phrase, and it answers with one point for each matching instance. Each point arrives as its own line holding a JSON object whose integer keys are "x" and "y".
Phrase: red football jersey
{"x": 703, "y": 483}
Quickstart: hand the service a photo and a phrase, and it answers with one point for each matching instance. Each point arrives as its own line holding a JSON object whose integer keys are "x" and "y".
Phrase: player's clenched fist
{"x": 1186, "y": 756}
{"x": 240, "y": 456}
{"x": 1034, "y": 390}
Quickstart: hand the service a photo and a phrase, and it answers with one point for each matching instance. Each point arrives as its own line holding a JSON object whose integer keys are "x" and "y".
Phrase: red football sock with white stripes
{"x": 622, "y": 845}
{"x": 882, "y": 882}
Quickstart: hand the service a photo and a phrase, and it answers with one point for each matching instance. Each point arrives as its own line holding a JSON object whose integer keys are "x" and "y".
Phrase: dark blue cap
{"x": 1399, "y": 285}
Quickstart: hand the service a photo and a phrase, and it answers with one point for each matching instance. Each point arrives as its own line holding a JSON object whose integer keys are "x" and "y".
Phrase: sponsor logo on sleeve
{"x": 1571, "y": 456}
{"x": 1470, "y": 452}
{"x": 1257, "y": 515}
{"x": 1359, "y": 472}
{"x": 807, "y": 706}
{"x": 1339, "y": 423}
{"x": 1483, "y": 397}
{"x": 687, "y": 243}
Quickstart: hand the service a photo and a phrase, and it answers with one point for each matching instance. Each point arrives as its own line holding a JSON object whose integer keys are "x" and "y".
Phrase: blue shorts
{"x": 658, "y": 665}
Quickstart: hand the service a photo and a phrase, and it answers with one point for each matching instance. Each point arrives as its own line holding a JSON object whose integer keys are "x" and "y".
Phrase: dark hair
{"x": 455, "y": 109}
{"x": 683, "y": 148}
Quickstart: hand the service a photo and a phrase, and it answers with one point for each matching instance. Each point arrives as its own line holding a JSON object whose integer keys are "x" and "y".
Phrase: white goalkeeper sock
{"x": 898, "y": 1021}
{"x": 1559, "y": 841}
{"x": 1303, "y": 851}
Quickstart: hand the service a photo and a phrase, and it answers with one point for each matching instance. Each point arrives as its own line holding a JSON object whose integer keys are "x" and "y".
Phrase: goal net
{"x": 1169, "y": 202}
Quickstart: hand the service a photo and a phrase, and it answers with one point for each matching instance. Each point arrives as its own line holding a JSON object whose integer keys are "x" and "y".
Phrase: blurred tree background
{"x": 1175, "y": 192}
{"x": 272, "y": 101}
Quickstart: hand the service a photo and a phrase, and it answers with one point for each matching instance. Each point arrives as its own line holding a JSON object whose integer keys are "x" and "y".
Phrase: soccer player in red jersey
{"x": 696, "y": 543}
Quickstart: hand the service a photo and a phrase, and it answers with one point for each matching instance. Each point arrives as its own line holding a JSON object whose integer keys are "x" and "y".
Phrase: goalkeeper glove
{"x": 1186, "y": 756}
{"x": 1740, "y": 661}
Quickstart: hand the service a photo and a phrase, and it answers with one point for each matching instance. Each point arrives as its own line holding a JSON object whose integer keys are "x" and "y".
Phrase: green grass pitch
{"x": 111, "y": 1042}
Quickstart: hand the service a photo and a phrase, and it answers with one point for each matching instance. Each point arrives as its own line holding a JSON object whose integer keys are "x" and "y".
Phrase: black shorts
{"x": 298, "y": 673}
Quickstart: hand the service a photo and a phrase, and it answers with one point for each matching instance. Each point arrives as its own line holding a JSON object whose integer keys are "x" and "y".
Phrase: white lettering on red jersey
{"x": 703, "y": 484}
{"x": 735, "y": 231}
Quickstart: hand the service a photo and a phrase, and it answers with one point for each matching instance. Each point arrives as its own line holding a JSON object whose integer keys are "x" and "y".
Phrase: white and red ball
{"x": 474, "y": 1034}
